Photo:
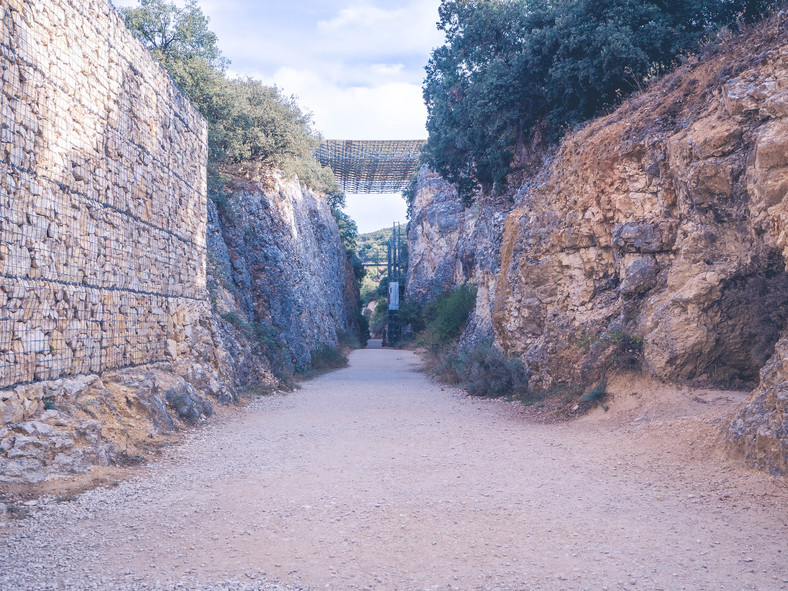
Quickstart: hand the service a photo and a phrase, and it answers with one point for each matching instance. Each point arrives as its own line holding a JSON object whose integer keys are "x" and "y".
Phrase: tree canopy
{"x": 175, "y": 34}
{"x": 511, "y": 67}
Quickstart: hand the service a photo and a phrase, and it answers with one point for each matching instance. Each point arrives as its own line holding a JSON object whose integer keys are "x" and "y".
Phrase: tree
{"x": 174, "y": 34}
{"x": 510, "y": 68}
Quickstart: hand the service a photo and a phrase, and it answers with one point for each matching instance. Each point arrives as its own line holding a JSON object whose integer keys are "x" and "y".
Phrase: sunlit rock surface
{"x": 665, "y": 222}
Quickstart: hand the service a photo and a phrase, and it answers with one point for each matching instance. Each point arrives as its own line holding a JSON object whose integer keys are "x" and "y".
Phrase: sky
{"x": 356, "y": 65}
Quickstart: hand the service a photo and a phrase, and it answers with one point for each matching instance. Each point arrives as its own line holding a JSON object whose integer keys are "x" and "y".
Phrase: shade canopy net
{"x": 374, "y": 166}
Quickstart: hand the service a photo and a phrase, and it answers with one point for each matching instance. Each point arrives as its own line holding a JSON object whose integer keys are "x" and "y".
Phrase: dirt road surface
{"x": 375, "y": 477}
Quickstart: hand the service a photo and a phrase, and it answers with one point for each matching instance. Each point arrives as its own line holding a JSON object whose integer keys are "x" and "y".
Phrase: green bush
{"x": 326, "y": 357}
{"x": 445, "y": 317}
{"x": 613, "y": 348}
{"x": 409, "y": 194}
{"x": 483, "y": 370}
{"x": 348, "y": 340}
{"x": 373, "y": 246}
{"x": 627, "y": 350}
{"x": 412, "y": 314}
{"x": 363, "y": 327}
{"x": 380, "y": 317}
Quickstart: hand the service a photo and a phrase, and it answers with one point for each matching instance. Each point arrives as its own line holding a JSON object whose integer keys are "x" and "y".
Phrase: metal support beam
{"x": 396, "y": 284}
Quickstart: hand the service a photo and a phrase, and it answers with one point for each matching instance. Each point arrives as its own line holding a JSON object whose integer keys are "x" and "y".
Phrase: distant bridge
{"x": 371, "y": 166}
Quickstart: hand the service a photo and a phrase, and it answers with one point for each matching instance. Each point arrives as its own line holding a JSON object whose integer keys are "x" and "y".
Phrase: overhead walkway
{"x": 371, "y": 166}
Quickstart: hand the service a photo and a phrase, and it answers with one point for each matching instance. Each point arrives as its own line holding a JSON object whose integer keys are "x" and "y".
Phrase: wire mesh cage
{"x": 99, "y": 222}
{"x": 371, "y": 166}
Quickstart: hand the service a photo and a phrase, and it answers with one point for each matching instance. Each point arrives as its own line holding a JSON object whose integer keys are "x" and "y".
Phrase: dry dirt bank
{"x": 374, "y": 477}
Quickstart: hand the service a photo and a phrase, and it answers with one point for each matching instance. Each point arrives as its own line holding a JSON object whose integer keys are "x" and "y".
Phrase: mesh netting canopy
{"x": 371, "y": 166}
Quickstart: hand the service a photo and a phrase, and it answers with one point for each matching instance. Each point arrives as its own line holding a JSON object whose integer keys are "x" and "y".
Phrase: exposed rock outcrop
{"x": 279, "y": 273}
{"x": 449, "y": 245}
{"x": 666, "y": 222}
{"x": 66, "y": 426}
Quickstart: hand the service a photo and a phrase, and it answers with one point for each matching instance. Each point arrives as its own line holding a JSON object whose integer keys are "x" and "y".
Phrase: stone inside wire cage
{"x": 102, "y": 202}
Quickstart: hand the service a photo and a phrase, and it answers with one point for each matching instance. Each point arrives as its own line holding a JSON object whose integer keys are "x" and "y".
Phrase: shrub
{"x": 446, "y": 316}
{"x": 483, "y": 370}
{"x": 412, "y": 314}
{"x": 363, "y": 328}
{"x": 409, "y": 194}
{"x": 327, "y": 357}
{"x": 627, "y": 351}
{"x": 379, "y": 317}
{"x": 614, "y": 348}
{"x": 348, "y": 340}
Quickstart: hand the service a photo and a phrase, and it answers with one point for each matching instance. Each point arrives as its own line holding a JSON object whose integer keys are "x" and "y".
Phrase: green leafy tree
{"x": 511, "y": 70}
{"x": 174, "y": 34}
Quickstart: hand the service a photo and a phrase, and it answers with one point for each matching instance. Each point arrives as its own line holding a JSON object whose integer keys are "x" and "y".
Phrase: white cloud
{"x": 387, "y": 69}
{"x": 387, "y": 110}
{"x": 360, "y": 15}
{"x": 363, "y": 29}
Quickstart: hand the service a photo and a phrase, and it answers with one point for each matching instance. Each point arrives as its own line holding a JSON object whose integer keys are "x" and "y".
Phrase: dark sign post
{"x": 395, "y": 281}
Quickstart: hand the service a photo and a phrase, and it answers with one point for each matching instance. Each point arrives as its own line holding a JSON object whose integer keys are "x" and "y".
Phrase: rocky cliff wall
{"x": 662, "y": 224}
{"x": 279, "y": 273}
{"x": 449, "y": 245}
{"x": 102, "y": 205}
{"x": 279, "y": 287}
{"x": 102, "y": 243}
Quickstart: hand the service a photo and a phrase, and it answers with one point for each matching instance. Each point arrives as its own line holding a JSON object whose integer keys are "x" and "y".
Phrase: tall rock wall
{"x": 102, "y": 195}
{"x": 664, "y": 222}
{"x": 279, "y": 271}
{"x": 102, "y": 243}
{"x": 449, "y": 245}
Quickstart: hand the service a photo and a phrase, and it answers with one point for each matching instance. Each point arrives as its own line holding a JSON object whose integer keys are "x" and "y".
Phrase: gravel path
{"x": 374, "y": 477}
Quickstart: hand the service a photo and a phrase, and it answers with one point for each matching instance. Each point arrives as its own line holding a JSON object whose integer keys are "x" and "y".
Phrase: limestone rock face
{"x": 666, "y": 222}
{"x": 759, "y": 432}
{"x": 436, "y": 234}
{"x": 66, "y": 426}
{"x": 449, "y": 245}
{"x": 103, "y": 228}
{"x": 279, "y": 275}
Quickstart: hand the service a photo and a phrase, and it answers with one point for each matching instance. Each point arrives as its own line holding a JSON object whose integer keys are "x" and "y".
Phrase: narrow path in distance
{"x": 375, "y": 477}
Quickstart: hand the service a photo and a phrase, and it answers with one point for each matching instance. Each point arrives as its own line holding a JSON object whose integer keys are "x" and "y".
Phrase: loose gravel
{"x": 375, "y": 477}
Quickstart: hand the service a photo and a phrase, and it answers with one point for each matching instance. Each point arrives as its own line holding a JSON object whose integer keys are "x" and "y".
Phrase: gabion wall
{"x": 102, "y": 194}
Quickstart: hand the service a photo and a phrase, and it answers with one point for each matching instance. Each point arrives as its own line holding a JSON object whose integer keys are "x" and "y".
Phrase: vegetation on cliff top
{"x": 517, "y": 72}
{"x": 251, "y": 127}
